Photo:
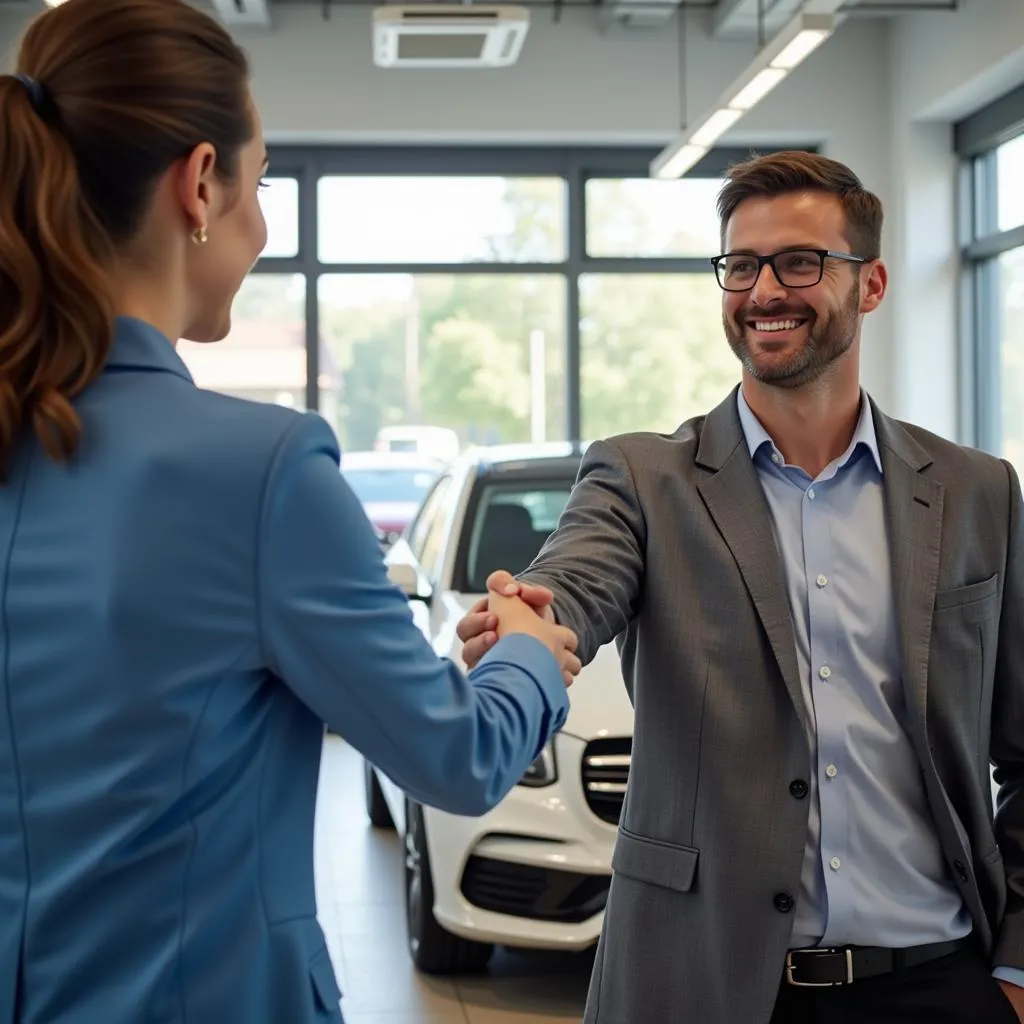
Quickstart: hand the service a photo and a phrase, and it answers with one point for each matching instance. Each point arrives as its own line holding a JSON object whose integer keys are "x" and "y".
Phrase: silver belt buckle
{"x": 818, "y": 984}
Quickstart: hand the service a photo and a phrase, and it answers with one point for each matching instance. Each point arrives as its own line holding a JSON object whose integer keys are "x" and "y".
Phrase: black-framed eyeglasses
{"x": 793, "y": 268}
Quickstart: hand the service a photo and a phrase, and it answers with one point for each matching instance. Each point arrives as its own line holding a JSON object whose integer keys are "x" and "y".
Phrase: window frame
{"x": 976, "y": 139}
{"x": 576, "y": 165}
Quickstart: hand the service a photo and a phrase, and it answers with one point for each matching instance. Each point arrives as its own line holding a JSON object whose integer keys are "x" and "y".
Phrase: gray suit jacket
{"x": 666, "y": 544}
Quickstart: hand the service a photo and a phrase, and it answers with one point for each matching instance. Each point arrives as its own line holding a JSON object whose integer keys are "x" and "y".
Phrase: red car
{"x": 390, "y": 486}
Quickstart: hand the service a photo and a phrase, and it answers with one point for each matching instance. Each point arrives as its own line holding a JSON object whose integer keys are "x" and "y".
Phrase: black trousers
{"x": 955, "y": 989}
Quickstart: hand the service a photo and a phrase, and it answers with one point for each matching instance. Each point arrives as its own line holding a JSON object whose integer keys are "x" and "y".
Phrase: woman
{"x": 189, "y": 589}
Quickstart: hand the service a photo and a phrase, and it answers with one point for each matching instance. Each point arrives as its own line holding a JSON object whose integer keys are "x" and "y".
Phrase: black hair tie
{"x": 36, "y": 92}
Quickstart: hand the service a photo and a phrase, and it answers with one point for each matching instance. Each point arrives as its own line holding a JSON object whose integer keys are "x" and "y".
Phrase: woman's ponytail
{"x": 109, "y": 95}
{"x": 56, "y": 311}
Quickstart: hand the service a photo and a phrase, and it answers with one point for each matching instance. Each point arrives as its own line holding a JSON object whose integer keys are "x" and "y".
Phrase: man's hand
{"x": 515, "y": 616}
{"x": 478, "y": 629}
{"x": 1016, "y": 996}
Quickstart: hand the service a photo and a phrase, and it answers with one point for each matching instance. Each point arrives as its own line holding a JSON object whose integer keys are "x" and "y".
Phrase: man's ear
{"x": 874, "y": 284}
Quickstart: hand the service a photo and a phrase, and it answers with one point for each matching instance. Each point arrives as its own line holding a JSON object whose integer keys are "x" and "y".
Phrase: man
{"x": 820, "y": 614}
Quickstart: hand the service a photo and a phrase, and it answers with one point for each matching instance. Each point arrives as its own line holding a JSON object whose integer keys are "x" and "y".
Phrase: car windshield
{"x": 510, "y": 525}
{"x": 392, "y": 484}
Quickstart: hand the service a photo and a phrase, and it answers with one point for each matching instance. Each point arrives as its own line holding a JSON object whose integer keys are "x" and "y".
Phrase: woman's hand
{"x": 478, "y": 628}
{"x": 515, "y": 616}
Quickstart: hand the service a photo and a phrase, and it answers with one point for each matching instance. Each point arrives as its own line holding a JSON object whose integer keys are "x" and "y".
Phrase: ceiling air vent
{"x": 448, "y": 35}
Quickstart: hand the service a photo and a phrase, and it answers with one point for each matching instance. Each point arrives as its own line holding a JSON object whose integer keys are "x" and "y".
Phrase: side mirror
{"x": 407, "y": 579}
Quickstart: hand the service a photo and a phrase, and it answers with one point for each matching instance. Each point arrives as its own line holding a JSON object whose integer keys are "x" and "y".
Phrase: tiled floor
{"x": 360, "y": 899}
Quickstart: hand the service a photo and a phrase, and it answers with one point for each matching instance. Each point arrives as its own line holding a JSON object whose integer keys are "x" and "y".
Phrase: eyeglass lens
{"x": 796, "y": 269}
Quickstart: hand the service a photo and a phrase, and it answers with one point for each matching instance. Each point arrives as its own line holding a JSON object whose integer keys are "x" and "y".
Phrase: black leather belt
{"x": 843, "y": 965}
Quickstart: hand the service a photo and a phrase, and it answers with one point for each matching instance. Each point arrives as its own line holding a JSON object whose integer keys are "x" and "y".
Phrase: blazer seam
{"x": 700, "y": 753}
{"x": 259, "y": 837}
{"x": 10, "y": 720}
{"x": 260, "y": 525}
{"x": 632, "y": 484}
{"x": 187, "y": 867}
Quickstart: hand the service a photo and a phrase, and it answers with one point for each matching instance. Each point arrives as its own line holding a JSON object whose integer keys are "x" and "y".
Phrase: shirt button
{"x": 824, "y": 671}
{"x": 831, "y": 771}
{"x": 776, "y": 458}
{"x": 822, "y": 580}
{"x": 810, "y": 493}
{"x": 834, "y": 863}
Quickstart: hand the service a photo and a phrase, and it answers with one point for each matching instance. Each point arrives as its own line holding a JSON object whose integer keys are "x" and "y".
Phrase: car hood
{"x": 599, "y": 704}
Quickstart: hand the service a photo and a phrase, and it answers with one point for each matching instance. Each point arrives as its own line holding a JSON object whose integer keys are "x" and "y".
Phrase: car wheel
{"x": 376, "y": 806}
{"x": 433, "y": 950}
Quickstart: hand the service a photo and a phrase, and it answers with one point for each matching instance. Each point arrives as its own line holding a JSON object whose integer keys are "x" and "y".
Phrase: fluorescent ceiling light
{"x": 780, "y": 55}
{"x": 679, "y": 161}
{"x": 756, "y": 89}
{"x": 803, "y": 45}
{"x": 717, "y": 124}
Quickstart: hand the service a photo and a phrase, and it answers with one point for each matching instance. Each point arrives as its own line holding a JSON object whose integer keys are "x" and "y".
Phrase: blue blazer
{"x": 182, "y": 610}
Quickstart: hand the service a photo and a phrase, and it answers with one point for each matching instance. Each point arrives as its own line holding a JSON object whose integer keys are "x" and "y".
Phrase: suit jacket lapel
{"x": 736, "y": 503}
{"x": 913, "y": 502}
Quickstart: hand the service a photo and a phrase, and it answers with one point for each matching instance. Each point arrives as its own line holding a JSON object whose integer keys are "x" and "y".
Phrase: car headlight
{"x": 543, "y": 771}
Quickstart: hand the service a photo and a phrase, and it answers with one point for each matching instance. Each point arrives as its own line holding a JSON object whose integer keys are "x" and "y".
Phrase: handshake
{"x": 514, "y": 607}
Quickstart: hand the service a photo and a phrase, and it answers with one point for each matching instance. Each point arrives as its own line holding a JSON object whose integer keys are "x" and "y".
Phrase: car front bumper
{"x": 533, "y": 872}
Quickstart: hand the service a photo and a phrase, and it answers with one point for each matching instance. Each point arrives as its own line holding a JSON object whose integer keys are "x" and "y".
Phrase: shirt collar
{"x": 757, "y": 437}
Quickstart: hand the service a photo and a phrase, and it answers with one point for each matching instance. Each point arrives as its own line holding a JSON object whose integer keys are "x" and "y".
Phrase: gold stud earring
{"x": 199, "y": 236}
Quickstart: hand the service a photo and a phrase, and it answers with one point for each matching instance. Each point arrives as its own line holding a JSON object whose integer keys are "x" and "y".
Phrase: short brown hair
{"x": 796, "y": 171}
{"x": 109, "y": 94}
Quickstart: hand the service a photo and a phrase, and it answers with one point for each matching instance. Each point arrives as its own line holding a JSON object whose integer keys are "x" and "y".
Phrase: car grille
{"x": 540, "y": 894}
{"x": 605, "y": 773}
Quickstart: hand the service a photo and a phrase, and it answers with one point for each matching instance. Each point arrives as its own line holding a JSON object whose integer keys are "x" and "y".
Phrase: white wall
{"x": 943, "y": 67}
{"x": 880, "y": 95}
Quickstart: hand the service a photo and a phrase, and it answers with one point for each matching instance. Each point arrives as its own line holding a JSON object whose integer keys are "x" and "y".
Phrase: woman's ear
{"x": 195, "y": 186}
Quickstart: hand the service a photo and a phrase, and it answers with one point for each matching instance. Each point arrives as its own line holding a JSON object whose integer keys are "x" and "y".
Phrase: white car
{"x": 535, "y": 871}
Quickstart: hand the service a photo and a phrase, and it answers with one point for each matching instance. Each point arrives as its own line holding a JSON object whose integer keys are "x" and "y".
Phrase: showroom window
{"x": 991, "y": 143}
{"x": 508, "y": 295}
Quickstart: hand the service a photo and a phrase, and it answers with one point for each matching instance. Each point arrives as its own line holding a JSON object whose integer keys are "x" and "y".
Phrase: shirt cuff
{"x": 529, "y": 654}
{"x": 1014, "y": 975}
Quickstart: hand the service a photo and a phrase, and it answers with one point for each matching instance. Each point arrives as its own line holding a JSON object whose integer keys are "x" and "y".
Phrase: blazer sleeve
{"x": 1007, "y": 745}
{"x": 594, "y": 561}
{"x": 342, "y": 637}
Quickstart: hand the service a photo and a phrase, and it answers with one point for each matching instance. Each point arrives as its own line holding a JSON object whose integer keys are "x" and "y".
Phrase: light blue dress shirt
{"x": 874, "y": 873}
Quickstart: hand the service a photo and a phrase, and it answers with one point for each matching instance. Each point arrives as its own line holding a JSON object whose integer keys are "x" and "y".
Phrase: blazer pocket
{"x": 993, "y": 858}
{"x": 958, "y": 597}
{"x": 325, "y": 982}
{"x": 655, "y": 862}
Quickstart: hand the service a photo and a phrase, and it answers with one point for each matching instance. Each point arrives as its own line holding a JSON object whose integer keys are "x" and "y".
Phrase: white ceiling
{"x": 740, "y": 18}
{"x": 749, "y": 20}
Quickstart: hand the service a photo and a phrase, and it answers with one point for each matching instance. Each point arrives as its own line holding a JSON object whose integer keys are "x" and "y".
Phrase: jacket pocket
{"x": 325, "y": 984}
{"x": 654, "y": 861}
{"x": 993, "y": 859}
{"x": 971, "y": 594}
